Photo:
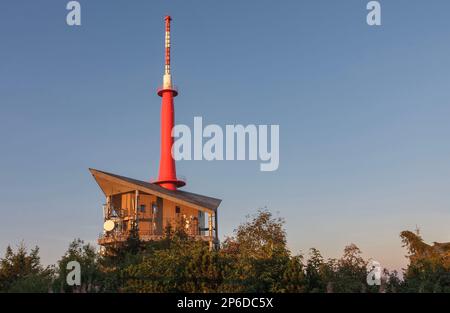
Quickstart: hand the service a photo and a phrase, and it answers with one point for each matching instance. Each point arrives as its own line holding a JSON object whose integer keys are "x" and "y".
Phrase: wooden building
{"x": 152, "y": 209}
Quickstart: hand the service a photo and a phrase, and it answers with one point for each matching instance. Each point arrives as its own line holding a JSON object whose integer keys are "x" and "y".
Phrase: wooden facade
{"x": 152, "y": 209}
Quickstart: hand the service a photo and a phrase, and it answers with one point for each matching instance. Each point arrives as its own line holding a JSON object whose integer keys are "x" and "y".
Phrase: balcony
{"x": 161, "y": 89}
{"x": 120, "y": 234}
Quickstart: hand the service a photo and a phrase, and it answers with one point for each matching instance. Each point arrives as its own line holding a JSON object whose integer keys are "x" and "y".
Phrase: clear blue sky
{"x": 363, "y": 113}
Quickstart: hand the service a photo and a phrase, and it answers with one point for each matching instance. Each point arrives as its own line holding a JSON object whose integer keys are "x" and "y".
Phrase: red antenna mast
{"x": 167, "y": 171}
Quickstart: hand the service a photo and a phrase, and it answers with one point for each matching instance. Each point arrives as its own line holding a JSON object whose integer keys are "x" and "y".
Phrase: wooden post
{"x": 210, "y": 230}
{"x": 108, "y": 207}
{"x": 216, "y": 229}
{"x": 136, "y": 200}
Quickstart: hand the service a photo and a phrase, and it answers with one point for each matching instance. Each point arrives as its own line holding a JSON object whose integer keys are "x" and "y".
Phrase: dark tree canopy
{"x": 255, "y": 259}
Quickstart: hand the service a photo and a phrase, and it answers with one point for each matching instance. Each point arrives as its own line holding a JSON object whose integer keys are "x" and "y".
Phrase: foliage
{"x": 21, "y": 271}
{"x": 257, "y": 257}
{"x": 429, "y": 267}
{"x": 351, "y": 272}
{"x": 86, "y": 255}
{"x": 254, "y": 259}
{"x": 182, "y": 265}
{"x": 316, "y": 272}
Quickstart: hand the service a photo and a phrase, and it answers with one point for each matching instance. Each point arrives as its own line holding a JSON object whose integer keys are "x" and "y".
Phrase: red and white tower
{"x": 167, "y": 173}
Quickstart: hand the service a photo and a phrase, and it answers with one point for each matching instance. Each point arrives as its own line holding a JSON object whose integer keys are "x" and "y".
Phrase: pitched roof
{"x": 104, "y": 180}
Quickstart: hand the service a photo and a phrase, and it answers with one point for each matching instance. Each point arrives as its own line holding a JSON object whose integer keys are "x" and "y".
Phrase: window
{"x": 142, "y": 208}
{"x": 177, "y": 210}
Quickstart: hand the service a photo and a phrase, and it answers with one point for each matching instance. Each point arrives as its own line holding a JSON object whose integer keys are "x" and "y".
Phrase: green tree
{"x": 21, "y": 271}
{"x": 318, "y": 272}
{"x": 256, "y": 256}
{"x": 351, "y": 271}
{"x": 392, "y": 282}
{"x": 429, "y": 266}
{"x": 178, "y": 264}
{"x": 86, "y": 255}
{"x": 294, "y": 278}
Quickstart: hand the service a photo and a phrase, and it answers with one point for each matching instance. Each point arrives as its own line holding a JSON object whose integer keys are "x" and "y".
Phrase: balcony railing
{"x": 191, "y": 228}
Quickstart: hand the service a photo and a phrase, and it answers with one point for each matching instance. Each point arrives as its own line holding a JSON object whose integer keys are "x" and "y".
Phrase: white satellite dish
{"x": 109, "y": 225}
